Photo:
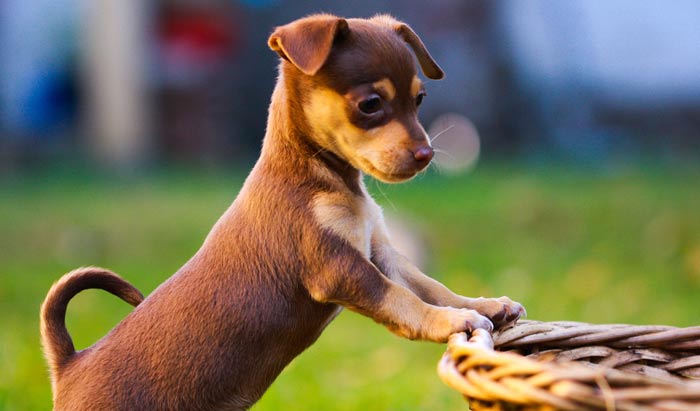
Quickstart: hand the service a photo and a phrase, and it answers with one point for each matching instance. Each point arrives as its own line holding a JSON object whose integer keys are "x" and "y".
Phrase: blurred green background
{"x": 571, "y": 244}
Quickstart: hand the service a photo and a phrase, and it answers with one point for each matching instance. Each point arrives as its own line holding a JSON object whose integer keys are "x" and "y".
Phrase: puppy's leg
{"x": 352, "y": 281}
{"x": 398, "y": 268}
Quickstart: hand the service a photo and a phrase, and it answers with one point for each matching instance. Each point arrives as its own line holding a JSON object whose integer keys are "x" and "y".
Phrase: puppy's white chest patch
{"x": 352, "y": 218}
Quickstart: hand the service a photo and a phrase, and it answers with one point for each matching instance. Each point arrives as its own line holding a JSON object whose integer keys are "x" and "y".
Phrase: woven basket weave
{"x": 576, "y": 366}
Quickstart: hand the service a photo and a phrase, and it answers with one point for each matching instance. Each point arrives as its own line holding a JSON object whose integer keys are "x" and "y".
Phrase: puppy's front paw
{"x": 447, "y": 321}
{"x": 502, "y": 311}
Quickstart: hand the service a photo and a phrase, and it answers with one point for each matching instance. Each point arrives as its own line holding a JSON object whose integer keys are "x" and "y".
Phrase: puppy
{"x": 302, "y": 240}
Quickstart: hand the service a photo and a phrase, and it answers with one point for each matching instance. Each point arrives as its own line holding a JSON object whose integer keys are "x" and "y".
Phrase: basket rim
{"x": 536, "y": 363}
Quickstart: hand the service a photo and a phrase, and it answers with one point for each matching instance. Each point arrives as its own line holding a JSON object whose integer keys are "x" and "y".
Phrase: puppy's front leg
{"x": 352, "y": 281}
{"x": 398, "y": 268}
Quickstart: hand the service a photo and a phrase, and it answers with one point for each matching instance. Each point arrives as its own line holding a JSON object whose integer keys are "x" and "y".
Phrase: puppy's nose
{"x": 423, "y": 155}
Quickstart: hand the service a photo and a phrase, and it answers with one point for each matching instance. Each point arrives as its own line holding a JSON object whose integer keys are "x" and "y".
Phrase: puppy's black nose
{"x": 423, "y": 155}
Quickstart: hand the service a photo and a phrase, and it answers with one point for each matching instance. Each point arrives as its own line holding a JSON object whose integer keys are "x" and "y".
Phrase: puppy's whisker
{"x": 320, "y": 150}
{"x": 432, "y": 140}
{"x": 438, "y": 151}
{"x": 379, "y": 188}
{"x": 434, "y": 166}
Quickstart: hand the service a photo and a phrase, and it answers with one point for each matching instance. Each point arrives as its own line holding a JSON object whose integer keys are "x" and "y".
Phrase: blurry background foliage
{"x": 567, "y": 174}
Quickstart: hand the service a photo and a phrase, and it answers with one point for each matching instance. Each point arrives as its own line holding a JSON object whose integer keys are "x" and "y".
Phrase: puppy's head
{"x": 359, "y": 90}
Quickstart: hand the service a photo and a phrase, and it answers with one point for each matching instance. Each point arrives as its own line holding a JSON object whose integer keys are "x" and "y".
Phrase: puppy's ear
{"x": 307, "y": 42}
{"x": 427, "y": 64}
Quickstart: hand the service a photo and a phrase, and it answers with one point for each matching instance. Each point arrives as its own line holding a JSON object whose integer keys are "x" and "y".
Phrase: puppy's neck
{"x": 289, "y": 142}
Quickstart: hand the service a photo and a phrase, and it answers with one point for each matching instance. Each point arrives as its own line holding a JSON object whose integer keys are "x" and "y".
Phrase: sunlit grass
{"x": 596, "y": 247}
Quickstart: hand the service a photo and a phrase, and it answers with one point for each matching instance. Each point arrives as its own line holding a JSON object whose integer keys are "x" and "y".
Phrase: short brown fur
{"x": 302, "y": 239}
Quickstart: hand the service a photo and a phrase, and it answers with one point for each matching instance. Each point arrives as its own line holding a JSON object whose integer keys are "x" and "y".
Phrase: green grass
{"x": 596, "y": 247}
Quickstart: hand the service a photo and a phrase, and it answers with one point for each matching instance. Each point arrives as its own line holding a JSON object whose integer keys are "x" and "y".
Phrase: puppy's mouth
{"x": 398, "y": 176}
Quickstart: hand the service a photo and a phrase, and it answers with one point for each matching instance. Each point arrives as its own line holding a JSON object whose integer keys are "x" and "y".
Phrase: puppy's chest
{"x": 352, "y": 218}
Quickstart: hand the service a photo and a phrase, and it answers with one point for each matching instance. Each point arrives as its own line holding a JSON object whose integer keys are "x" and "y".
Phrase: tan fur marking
{"x": 416, "y": 86}
{"x": 350, "y": 218}
{"x": 400, "y": 304}
{"x": 381, "y": 153}
{"x": 326, "y": 115}
{"x": 386, "y": 88}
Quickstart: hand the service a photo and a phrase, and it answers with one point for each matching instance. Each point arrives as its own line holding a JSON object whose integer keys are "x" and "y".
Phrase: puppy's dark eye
{"x": 419, "y": 98}
{"x": 371, "y": 104}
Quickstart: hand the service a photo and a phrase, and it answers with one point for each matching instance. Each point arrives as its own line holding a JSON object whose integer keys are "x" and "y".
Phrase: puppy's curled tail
{"x": 57, "y": 343}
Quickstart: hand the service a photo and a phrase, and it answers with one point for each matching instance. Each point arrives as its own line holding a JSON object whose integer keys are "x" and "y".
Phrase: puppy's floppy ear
{"x": 427, "y": 63}
{"x": 307, "y": 42}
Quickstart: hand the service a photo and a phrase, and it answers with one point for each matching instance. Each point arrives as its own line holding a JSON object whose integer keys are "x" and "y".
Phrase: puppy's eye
{"x": 371, "y": 104}
{"x": 419, "y": 98}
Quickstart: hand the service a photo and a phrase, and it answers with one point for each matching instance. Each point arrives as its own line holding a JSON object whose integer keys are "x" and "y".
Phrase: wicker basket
{"x": 576, "y": 366}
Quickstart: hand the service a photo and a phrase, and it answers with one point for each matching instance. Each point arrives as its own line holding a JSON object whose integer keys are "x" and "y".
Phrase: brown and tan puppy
{"x": 302, "y": 240}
